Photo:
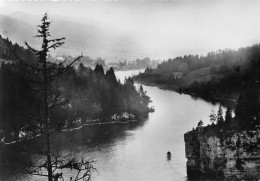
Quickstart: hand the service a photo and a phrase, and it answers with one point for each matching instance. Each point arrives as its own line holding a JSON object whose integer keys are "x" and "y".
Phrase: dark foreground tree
{"x": 220, "y": 119}
{"x": 47, "y": 86}
{"x": 228, "y": 116}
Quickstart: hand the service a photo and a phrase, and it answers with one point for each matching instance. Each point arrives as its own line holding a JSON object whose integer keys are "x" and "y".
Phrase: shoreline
{"x": 160, "y": 86}
{"x": 91, "y": 123}
{"x": 98, "y": 123}
{"x": 176, "y": 89}
{"x": 128, "y": 69}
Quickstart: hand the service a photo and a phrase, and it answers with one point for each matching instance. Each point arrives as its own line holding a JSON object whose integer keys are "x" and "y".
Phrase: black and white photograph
{"x": 129, "y": 90}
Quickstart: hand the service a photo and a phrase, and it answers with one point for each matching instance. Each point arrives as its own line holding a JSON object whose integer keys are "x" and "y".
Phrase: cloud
{"x": 155, "y": 29}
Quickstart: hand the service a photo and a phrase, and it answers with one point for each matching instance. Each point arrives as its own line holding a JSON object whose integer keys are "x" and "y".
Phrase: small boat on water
{"x": 169, "y": 155}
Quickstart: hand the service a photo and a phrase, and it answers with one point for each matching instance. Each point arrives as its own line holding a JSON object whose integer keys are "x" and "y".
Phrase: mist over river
{"x": 137, "y": 151}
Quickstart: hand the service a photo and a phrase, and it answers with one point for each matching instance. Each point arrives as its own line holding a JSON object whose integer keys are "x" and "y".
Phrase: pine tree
{"x": 248, "y": 108}
{"x": 99, "y": 70}
{"x": 52, "y": 99}
{"x": 220, "y": 118}
{"x": 143, "y": 94}
{"x": 200, "y": 123}
{"x": 111, "y": 77}
{"x": 228, "y": 116}
{"x": 213, "y": 117}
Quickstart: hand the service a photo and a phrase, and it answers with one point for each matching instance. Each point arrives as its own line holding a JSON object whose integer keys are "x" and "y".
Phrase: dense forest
{"x": 9, "y": 50}
{"x": 225, "y": 75}
{"x": 86, "y": 95}
{"x": 231, "y": 79}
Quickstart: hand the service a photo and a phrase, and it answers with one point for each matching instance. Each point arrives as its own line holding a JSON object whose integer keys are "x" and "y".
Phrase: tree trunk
{"x": 46, "y": 116}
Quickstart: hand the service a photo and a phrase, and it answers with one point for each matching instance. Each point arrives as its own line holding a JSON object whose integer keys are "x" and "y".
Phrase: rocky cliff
{"x": 223, "y": 155}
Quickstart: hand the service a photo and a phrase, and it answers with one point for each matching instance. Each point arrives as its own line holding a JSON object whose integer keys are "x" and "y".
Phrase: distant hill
{"x": 16, "y": 30}
{"x": 81, "y": 37}
{"x": 221, "y": 74}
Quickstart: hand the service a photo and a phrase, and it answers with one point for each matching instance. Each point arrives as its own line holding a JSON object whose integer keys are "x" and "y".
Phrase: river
{"x": 137, "y": 151}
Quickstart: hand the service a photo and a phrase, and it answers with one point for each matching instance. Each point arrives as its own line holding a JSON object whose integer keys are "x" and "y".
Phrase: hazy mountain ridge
{"x": 81, "y": 37}
{"x": 16, "y": 30}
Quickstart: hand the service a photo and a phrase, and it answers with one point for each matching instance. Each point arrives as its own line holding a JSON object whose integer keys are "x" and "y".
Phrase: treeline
{"x": 219, "y": 120}
{"x": 245, "y": 82}
{"x": 246, "y": 114}
{"x": 135, "y": 64}
{"x": 226, "y": 76}
{"x": 10, "y": 50}
{"x": 237, "y": 79}
{"x": 242, "y": 83}
{"x": 96, "y": 94}
{"x": 224, "y": 73}
{"x": 226, "y": 58}
{"x": 85, "y": 60}
{"x": 203, "y": 70}
{"x": 85, "y": 94}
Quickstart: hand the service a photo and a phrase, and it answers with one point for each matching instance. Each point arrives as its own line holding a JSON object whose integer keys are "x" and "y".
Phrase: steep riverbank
{"x": 230, "y": 156}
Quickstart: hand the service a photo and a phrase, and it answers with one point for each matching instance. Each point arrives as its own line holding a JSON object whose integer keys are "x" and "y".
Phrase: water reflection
{"x": 135, "y": 151}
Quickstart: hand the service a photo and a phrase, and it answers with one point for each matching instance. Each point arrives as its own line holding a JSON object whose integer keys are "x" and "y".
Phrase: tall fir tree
{"x": 248, "y": 108}
{"x": 213, "y": 117}
{"x": 228, "y": 116}
{"x": 52, "y": 100}
{"x": 111, "y": 77}
{"x": 220, "y": 119}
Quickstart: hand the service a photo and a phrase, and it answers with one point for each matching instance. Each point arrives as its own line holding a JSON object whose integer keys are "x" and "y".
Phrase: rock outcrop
{"x": 230, "y": 155}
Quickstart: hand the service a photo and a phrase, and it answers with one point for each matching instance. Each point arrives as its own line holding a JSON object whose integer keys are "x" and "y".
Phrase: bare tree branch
{"x": 52, "y": 99}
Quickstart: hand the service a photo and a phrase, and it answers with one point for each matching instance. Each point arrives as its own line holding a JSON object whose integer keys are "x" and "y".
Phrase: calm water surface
{"x": 137, "y": 151}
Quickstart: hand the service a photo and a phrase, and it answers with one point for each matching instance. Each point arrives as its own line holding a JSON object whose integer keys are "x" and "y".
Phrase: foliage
{"x": 227, "y": 58}
{"x": 220, "y": 119}
{"x": 230, "y": 74}
{"x": 228, "y": 116}
{"x": 213, "y": 117}
{"x": 52, "y": 100}
{"x": 8, "y": 50}
{"x": 200, "y": 123}
{"x": 136, "y": 64}
{"x": 248, "y": 109}
{"x": 80, "y": 94}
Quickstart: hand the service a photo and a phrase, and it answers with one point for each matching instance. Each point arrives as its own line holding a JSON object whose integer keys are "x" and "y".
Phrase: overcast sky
{"x": 160, "y": 29}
